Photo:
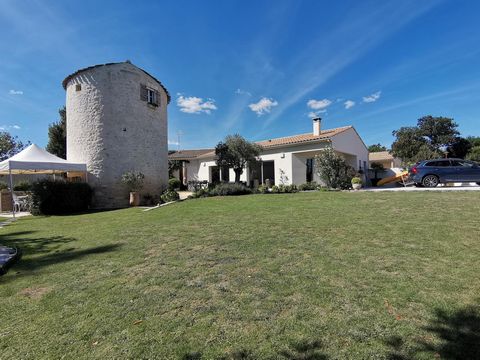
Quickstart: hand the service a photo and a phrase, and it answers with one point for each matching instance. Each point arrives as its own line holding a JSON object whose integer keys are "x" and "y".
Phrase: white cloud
{"x": 172, "y": 142}
{"x": 195, "y": 105}
{"x": 315, "y": 114}
{"x": 349, "y": 104}
{"x": 15, "y": 92}
{"x": 9, "y": 127}
{"x": 372, "y": 98}
{"x": 318, "y": 104}
{"x": 243, "y": 92}
{"x": 263, "y": 106}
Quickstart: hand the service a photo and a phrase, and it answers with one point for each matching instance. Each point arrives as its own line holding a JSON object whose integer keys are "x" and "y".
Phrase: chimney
{"x": 317, "y": 126}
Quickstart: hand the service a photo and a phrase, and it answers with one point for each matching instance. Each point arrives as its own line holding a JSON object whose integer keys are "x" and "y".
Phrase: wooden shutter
{"x": 157, "y": 98}
{"x": 143, "y": 93}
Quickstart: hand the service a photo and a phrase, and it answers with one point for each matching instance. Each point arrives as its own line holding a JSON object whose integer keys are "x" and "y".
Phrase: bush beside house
{"x": 333, "y": 170}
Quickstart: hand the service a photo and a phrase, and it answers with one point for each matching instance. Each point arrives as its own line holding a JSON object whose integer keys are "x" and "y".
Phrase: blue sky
{"x": 258, "y": 68}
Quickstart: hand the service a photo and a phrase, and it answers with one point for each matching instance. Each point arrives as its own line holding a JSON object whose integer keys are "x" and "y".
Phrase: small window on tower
{"x": 78, "y": 87}
{"x": 152, "y": 97}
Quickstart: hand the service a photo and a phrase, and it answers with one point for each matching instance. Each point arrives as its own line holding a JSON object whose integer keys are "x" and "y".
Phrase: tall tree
{"x": 376, "y": 148}
{"x": 408, "y": 143}
{"x": 459, "y": 148}
{"x": 235, "y": 152}
{"x": 440, "y": 131}
{"x": 429, "y": 139}
{"x": 57, "y": 135}
{"x": 10, "y": 145}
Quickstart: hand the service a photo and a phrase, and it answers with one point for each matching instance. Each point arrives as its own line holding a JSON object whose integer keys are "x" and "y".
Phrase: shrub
{"x": 308, "y": 186}
{"x": 195, "y": 185}
{"x": 275, "y": 189}
{"x": 474, "y": 154}
{"x": 59, "y": 197}
{"x": 174, "y": 184}
{"x": 3, "y": 185}
{"x": 229, "y": 189}
{"x": 133, "y": 180}
{"x": 200, "y": 193}
{"x": 333, "y": 169}
{"x": 356, "y": 180}
{"x": 286, "y": 189}
{"x": 22, "y": 186}
{"x": 262, "y": 189}
{"x": 291, "y": 188}
{"x": 169, "y": 196}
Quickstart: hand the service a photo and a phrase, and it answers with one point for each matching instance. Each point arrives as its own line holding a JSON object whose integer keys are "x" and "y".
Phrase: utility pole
{"x": 179, "y": 134}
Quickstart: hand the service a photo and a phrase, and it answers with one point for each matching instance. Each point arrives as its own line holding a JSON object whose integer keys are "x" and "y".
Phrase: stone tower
{"x": 117, "y": 122}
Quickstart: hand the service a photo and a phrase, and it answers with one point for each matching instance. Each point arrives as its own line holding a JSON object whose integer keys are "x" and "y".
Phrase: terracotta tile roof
{"x": 188, "y": 154}
{"x": 379, "y": 156}
{"x": 302, "y": 138}
{"x": 279, "y": 142}
{"x": 69, "y": 77}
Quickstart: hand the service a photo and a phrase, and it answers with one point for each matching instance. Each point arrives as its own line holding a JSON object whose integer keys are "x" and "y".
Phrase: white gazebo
{"x": 35, "y": 160}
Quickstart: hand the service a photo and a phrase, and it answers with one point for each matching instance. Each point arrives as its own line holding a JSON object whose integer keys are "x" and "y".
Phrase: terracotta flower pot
{"x": 134, "y": 198}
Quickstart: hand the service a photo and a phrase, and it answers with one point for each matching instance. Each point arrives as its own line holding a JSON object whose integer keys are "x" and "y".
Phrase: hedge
{"x": 59, "y": 197}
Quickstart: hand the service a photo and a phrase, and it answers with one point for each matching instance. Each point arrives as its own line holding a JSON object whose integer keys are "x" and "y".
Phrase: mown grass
{"x": 294, "y": 276}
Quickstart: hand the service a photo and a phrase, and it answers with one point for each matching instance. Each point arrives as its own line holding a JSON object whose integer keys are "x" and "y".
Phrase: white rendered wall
{"x": 349, "y": 142}
{"x": 112, "y": 130}
{"x": 290, "y": 161}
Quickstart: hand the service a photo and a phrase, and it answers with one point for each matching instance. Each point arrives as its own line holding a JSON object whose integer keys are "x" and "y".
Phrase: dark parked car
{"x": 430, "y": 173}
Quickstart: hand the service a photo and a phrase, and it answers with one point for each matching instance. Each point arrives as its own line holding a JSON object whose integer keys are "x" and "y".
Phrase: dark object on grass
{"x": 8, "y": 256}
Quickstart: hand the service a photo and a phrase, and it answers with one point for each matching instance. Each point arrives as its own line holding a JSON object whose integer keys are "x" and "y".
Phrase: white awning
{"x": 35, "y": 160}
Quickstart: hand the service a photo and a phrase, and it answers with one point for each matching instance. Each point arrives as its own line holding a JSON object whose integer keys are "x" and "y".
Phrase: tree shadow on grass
{"x": 303, "y": 350}
{"x": 44, "y": 251}
{"x": 458, "y": 334}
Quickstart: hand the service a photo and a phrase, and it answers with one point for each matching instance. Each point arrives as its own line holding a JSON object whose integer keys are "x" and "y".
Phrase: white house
{"x": 285, "y": 160}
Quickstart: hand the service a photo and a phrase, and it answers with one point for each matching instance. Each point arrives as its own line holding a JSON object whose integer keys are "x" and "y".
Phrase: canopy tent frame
{"x": 35, "y": 160}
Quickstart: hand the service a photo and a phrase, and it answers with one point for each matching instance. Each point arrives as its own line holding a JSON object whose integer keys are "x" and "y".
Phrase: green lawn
{"x": 294, "y": 276}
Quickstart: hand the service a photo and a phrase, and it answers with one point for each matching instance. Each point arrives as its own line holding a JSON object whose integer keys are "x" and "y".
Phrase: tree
{"x": 376, "y": 148}
{"x": 474, "y": 140}
{"x": 57, "y": 135}
{"x": 407, "y": 144}
{"x": 133, "y": 180}
{"x": 235, "y": 152}
{"x": 474, "y": 154}
{"x": 174, "y": 165}
{"x": 333, "y": 170}
{"x": 10, "y": 145}
{"x": 460, "y": 148}
{"x": 440, "y": 132}
{"x": 429, "y": 139}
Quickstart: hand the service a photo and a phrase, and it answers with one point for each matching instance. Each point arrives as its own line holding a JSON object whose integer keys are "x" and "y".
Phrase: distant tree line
{"x": 432, "y": 137}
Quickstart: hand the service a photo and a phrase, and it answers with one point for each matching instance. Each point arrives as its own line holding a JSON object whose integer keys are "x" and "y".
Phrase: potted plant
{"x": 134, "y": 182}
{"x": 356, "y": 183}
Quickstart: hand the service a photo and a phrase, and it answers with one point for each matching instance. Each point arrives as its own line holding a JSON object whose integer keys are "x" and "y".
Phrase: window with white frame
{"x": 149, "y": 95}
{"x": 152, "y": 96}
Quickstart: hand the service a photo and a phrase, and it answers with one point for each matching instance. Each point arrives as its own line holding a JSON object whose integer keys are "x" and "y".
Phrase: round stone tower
{"x": 117, "y": 122}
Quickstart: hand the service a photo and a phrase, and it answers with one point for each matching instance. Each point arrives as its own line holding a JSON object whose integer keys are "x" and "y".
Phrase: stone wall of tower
{"x": 113, "y": 130}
